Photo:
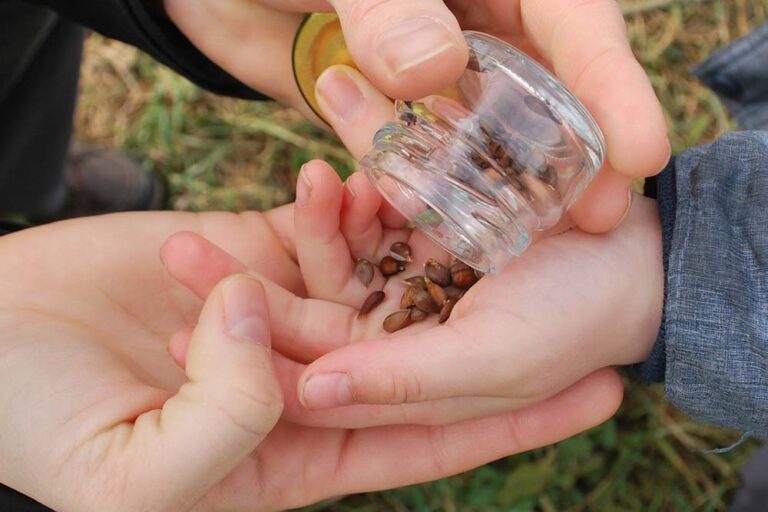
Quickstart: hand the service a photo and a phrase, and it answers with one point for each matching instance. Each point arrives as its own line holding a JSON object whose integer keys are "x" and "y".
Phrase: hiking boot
{"x": 99, "y": 180}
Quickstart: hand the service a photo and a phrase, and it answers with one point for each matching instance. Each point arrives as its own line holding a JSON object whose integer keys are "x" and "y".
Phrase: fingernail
{"x": 244, "y": 309}
{"x": 414, "y": 42}
{"x": 326, "y": 390}
{"x": 630, "y": 198}
{"x": 303, "y": 188}
{"x": 351, "y": 188}
{"x": 338, "y": 94}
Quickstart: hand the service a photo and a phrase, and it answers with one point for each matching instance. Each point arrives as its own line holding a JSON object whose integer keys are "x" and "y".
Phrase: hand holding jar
{"x": 409, "y": 49}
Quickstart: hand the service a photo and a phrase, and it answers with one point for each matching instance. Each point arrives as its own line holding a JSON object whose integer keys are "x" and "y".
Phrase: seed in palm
{"x": 437, "y": 272}
{"x": 418, "y": 315}
{"x": 454, "y": 292}
{"x": 446, "y": 309}
{"x": 398, "y": 320}
{"x": 437, "y": 293}
{"x": 371, "y": 302}
{"x": 417, "y": 281}
{"x": 408, "y": 297}
{"x": 401, "y": 251}
{"x": 423, "y": 300}
{"x": 364, "y": 271}
{"x": 389, "y": 266}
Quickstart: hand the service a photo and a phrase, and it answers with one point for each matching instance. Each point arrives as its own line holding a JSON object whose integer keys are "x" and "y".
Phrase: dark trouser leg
{"x": 39, "y": 66}
{"x": 753, "y": 497}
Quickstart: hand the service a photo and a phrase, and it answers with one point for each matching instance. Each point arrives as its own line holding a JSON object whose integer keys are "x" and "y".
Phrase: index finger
{"x": 587, "y": 44}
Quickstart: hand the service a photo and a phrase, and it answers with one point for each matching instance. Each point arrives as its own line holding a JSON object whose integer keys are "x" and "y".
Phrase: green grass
{"x": 226, "y": 154}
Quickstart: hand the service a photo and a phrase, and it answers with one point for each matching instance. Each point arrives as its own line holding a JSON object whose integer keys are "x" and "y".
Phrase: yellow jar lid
{"x": 319, "y": 44}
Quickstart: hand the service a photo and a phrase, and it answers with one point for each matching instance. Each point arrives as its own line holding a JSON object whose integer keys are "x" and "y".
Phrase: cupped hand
{"x": 562, "y": 311}
{"x": 572, "y": 304}
{"x": 96, "y": 415}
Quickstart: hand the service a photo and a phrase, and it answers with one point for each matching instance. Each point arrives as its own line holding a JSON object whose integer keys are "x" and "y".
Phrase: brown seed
{"x": 364, "y": 271}
{"x": 445, "y": 311}
{"x": 417, "y": 281}
{"x": 547, "y": 173}
{"x": 463, "y": 276}
{"x": 423, "y": 300}
{"x": 454, "y": 292}
{"x": 437, "y": 273}
{"x": 407, "y": 300}
{"x": 541, "y": 108}
{"x": 473, "y": 63}
{"x": 397, "y": 321}
{"x": 401, "y": 251}
{"x": 436, "y": 292}
{"x": 418, "y": 315}
{"x": 458, "y": 265}
{"x": 389, "y": 266}
{"x": 371, "y": 302}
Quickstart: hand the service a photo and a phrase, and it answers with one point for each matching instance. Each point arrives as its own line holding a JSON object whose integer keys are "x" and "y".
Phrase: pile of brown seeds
{"x": 435, "y": 292}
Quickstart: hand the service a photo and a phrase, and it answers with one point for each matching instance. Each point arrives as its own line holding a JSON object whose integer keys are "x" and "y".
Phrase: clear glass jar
{"x": 480, "y": 168}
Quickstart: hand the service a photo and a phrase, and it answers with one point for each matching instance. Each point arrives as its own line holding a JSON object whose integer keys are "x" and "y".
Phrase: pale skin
{"x": 584, "y": 43}
{"x": 96, "y": 415}
{"x": 562, "y": 311}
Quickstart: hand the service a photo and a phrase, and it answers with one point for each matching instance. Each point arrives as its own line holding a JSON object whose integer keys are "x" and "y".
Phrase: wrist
{"x": 647, "y": 289}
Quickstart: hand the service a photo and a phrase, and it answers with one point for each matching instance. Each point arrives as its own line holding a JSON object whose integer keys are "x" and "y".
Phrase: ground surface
{"x": 225, "y": 154}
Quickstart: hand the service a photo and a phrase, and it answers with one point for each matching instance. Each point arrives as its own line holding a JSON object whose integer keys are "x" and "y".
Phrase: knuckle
{"x": 398, "y": 388}
{"x": 363, "y": 12}
{"x": 254, "y": 413}
{"x": 517, "y": 424}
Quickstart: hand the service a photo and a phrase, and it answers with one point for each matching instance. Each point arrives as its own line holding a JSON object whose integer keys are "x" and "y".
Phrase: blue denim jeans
{"x": 712, "y": 350}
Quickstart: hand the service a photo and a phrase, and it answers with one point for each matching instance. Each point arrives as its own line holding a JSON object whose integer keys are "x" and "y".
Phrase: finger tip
{"x": 177, "y": 240}
{"x": 429, "y": 77}
{"x": 321, "y": 189}
{"x": 612, "y": 389}
{"x": 604, "y": 204}
{"x": 643, "y": 154}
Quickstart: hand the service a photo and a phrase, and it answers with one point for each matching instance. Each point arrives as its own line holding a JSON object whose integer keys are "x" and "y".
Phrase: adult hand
{"x": 407, "y": 48}
{"x": 96, "y": 416}
{"x": 410, "y": 49}
{"x": 584, "y": 43}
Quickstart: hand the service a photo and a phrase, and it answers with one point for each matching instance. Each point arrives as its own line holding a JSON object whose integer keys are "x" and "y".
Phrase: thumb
{"x": 408, "y": 49}
{"x": 231, "y": 402}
